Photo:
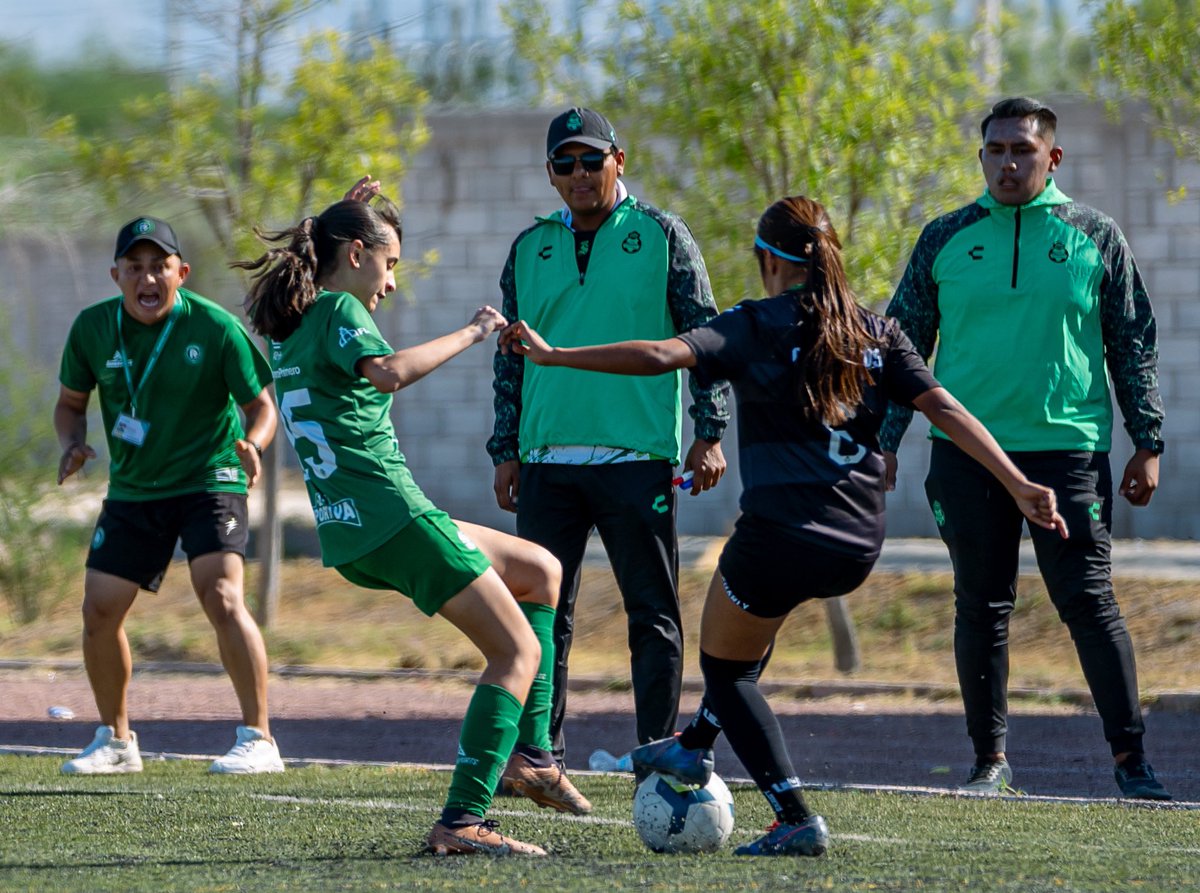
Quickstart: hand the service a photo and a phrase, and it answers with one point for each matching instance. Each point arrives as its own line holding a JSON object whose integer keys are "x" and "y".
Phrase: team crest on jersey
{"x": 193, "y": 354}
{"x": 1058, "y": 253}
{"x": 117, "y": 362}
{"x": 344, "y": 511}
{"x": 632, "y": 243}
{"x": 345, "y": 336}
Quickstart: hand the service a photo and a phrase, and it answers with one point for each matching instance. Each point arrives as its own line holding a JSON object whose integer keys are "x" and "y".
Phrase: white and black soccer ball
{"x": 673, "y": 817}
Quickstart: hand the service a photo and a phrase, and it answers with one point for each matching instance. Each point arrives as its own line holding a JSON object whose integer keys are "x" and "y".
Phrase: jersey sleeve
{"x": 905, "y": 375}
{"x": 722, "y": 346}
{"x": 75, "y": 372}
{"x": 247, "y": 371}
{"x": 352, "y": 335}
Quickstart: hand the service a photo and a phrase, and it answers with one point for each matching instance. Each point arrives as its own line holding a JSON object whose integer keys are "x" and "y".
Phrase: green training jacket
{"x": 645, "y": 280}
{"x": 1031, "y": 309}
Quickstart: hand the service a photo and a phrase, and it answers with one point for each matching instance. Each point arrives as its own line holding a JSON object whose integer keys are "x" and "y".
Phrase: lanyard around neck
{"x": 158, "y": 347}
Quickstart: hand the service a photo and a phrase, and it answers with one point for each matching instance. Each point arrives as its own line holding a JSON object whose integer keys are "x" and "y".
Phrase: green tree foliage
{"x": 1040, "y": 51}
{"x": 244, "y": 163}
{"x": 733, "y": 104}
{"x": 90, "y": 89}
{"x": 1148, "y": 49}
{"x": 38, "y": 553}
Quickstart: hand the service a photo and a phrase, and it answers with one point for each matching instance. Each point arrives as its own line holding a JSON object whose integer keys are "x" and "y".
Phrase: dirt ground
{"x": 836, "y": 741}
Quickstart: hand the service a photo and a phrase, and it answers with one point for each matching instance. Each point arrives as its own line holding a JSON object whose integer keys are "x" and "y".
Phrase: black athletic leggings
{"x": 981, "y": 526}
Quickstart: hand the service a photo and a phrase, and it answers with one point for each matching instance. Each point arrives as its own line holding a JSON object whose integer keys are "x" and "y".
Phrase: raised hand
{"x": 487, "y": 319}
{"x": 362, "y": 191}
{"x": 523, "y": 340}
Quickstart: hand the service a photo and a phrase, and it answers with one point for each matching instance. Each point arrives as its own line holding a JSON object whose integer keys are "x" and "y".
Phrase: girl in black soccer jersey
{"x": 334, "y": 380}
{"x": 813, "y": 373}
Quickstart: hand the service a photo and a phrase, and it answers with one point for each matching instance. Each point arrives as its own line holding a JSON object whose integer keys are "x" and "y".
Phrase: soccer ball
{"x": 673, "y": 817}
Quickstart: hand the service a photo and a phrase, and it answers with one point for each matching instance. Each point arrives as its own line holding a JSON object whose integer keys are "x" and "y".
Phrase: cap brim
{"x": 583, "y": 141}
{"x": 165, "y": 246}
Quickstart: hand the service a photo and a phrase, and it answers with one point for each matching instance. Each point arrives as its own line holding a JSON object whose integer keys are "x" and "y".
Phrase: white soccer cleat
{"x": 253, "y": 753}
{"x": 106, "y": 755}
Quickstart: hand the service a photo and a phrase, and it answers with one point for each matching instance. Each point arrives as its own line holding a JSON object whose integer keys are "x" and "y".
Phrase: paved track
{"x": 837, "y": 741}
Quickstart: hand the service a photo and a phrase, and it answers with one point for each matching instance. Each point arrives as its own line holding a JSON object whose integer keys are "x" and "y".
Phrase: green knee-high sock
{"x": 534, "y": 726}
{"x": 489, "y": 731}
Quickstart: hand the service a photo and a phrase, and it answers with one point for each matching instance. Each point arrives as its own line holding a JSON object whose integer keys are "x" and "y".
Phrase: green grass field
{"x": 174, "y": 827}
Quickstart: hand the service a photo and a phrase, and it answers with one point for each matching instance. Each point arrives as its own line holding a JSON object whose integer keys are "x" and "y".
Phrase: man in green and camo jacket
{"x": 580, "y": 450}
{"x": 1030, "y": 297}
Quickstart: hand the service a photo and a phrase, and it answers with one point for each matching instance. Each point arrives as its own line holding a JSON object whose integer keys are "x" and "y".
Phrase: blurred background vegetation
{"x": 869, "y": 104}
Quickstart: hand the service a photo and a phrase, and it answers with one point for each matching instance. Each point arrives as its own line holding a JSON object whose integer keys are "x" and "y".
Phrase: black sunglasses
{"x": 564, "y": 165}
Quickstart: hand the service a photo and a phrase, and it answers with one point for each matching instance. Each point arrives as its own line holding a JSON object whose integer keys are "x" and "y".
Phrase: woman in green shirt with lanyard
{"x": 334, "y": 377}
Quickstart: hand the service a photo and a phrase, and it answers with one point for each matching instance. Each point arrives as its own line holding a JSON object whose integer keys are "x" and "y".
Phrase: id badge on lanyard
{"x": 129, "y": 428}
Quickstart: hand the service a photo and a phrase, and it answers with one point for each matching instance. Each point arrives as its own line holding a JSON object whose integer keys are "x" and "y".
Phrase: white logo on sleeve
{"x": 345, "y": 336}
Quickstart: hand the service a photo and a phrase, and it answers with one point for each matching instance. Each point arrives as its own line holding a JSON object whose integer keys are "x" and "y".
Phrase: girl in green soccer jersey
{"x": 334, "y": 377}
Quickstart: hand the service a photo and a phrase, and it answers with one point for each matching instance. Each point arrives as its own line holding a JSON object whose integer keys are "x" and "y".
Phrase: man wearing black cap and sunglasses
{"x": 171, "y": 370}
{"x": 576, "y": 451}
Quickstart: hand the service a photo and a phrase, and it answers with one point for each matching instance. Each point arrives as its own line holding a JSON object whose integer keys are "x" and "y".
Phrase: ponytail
{"x": 287, "y": 286}
{"x": 832, "y": 373}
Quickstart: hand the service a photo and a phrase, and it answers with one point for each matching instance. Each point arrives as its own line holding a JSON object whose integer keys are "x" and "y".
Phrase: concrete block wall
{"x": 481, "y": 180}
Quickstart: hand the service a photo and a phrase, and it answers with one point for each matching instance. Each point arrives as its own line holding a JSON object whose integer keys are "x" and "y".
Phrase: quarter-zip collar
{"x": 1051, "y": 195}
{"x": 1048, "y": 197}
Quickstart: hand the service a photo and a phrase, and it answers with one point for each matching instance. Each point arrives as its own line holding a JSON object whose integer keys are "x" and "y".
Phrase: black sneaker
{"x": 809, "y": 838}
{"x": 1136, "y": 779}
{"x": 989, "y": 777}
{"x": 669, "y": 757}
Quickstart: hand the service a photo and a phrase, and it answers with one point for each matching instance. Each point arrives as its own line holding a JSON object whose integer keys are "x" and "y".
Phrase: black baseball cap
{"x": 148, "y": 229}
{"x": 580, "y": 125}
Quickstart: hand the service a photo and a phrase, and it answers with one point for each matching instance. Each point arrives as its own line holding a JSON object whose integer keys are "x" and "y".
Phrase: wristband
{"x": 257, "y": 448}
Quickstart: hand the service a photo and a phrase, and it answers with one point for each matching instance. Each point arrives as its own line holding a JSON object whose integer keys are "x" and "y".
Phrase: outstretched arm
{"x": 622, "y": 358}
{"x": 1037, "y": 503}
{"x": 398, "y": 370}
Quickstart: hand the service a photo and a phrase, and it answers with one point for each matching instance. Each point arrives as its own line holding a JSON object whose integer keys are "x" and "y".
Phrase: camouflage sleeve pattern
{"x": 691, "y": 304}
{"x": 1127, "y": 324}
{"x": 915, "y": 307}
{"x": 508, "y": 372}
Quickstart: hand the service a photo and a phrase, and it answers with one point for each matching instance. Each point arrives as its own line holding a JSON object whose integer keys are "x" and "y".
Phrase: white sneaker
{"x": 106, "y": 755}
{"x": 253, "y": 753}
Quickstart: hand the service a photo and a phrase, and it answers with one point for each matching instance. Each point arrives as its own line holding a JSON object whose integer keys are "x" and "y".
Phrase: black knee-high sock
{"x": 754, "y": 734}
{"x": 705, "y": 727}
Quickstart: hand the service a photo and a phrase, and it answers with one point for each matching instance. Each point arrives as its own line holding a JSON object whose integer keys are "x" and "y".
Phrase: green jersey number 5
{"x": 325, "y": 463}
